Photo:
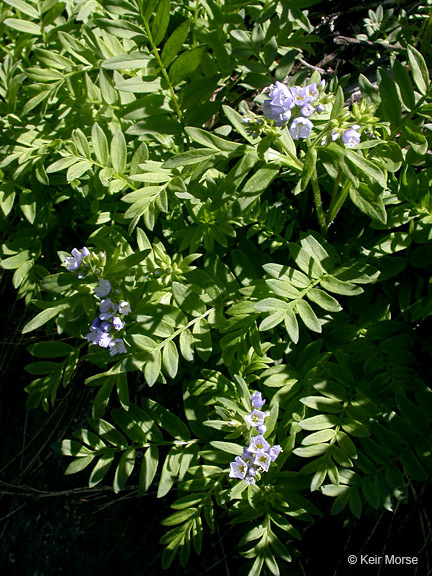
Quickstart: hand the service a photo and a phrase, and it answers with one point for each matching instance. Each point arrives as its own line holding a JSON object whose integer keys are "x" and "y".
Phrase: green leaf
{"x": 78, "y": 169}
{"x": 50, "y": 349}
{"x": 108, "y": 433}
{"x": 139, "y": 85}
{"x": 260, "y": 181}
{"x": 390, "y": 106}
{"x": 186, "y": 64}
{"x": 319, "y": 437}
{"x": 370, "y": 169}
{"x": 160, "y": 22}
{"x": 153, "y": 367}
{"x": 341, "y": 287}
{"x": 131, "y": 61}
{"x": 169, "y": 472}
{"x": 228, "y": 447}
{"x": 308, "y": 168}
{"x": 43, "y": 317}
{"x": 320, "y": 422}
{"x": 167, "y": 420}
{"x": 291, "y": 325}
{"x": 23, "y": 7}
{"x": 413, "y": 467}
{"x": 403, "y": 82}
{"x": 419, "y": 69}
{"x": 71, "y": 448}
{"x": 23, "y": 26}
{"x": 124, "y": 469}
{"x": 354, "y": 501}
{"x": 174, "y": 43}
{"x": 186, "y": 342}
{"x": 236, "y": 120}
{"x": 79, "y": 464}
{"x": 324, "y": 300}
{"x": 322, "y": 404}
{"x": 179, "y": 517}
{"x": 170, "y": 358}
{"x": 338, "y": 104}
{"x": 308, "y": 316}
{"x": 369, "y": 203}
{"x": 118, "y": 152}
{"x": 148, "y": 469}
{"x": 100, "y": 470}
{"x": 100, "y": 144}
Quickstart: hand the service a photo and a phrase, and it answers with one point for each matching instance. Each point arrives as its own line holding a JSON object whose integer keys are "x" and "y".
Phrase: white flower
{"x": 255, "y": 418}
{"x": 117, "y": 322}
{"x": 258, "y": 443}
{"x": 74, "y": 261}
{"x": 300, "y": 128}
{"x": 124, "y": 307}
{"x": 274, "y": 451}
{"x": 351, "y": 137}
{"x": 263, "y": 460}
{"x": 238, "y": 468}
{"x": 257, "y": 400}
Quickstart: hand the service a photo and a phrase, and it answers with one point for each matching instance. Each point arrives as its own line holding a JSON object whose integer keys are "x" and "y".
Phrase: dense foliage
{"x": 194, "y": 252}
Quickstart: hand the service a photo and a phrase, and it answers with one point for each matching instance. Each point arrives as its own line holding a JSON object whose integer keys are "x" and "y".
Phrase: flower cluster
{"x": 259, "y": 454}
{"x": 110, "y": 321}
{"x": 85, "y": 261}
{"x": 296, "y": 103}
{"x": 349, "y": 137}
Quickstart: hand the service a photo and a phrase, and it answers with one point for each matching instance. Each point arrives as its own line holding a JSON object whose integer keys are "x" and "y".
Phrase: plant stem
{"x": 318, "y": 204}
{"x": 337, "y": 201}
{"x": 162, "y": 67}
{"x": 290, "y": 154}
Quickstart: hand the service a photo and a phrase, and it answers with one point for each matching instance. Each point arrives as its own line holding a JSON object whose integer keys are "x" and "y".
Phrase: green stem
{"x": 162, "y": 67}
{"x": 290, "y": 154}
{"x": 318, "y": 203}
{"x": 337, "y": 201}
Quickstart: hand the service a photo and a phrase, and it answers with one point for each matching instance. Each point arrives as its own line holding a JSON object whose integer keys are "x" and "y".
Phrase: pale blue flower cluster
{"x": 292, "y": 103}
{"x": 349, "y": 137}
{"x": 83, "y": 260}
{"x": 259, "y": 454}
{"x": 110, "y": 321}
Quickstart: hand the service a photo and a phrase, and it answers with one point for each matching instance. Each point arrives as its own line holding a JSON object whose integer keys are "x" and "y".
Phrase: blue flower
{"x": 257, "y": 400}
{"x": 255, "y": 418}
{"x": 117, "y": 322}
{"x": 74, "y": 261}
{"x": 307, "y": 110}
{"x": 107, "y": 309}
{"x": 238, "y": 468}
{"x": 351, "y": 137}
{"x": 124, "y": 307}
{"x": 280, "y": 104}
{"x": 258, "y": 443}
{"x": 300, "y": 128}
{"x": 117, "y": 347}
{"x": 263, "y": 460}
{"x": 103, "y": 289}
{"x": 274, "y": 451}
{"x": 247, "y": 457}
